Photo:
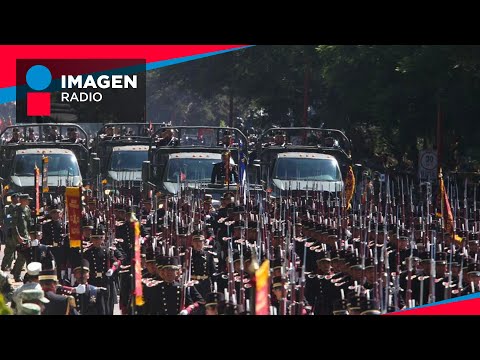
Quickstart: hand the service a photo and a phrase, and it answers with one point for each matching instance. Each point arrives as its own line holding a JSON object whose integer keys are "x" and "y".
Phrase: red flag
{"x": 73, "y": 204}
{"x": 37, "y": 190}
{"x": 262, "y": 286}
{"x": 138, "y": 266}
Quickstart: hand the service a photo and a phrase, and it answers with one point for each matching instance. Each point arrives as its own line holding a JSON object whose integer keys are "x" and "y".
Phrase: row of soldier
{"x": 49, "y": 134}
{"x": 385, "y": 254}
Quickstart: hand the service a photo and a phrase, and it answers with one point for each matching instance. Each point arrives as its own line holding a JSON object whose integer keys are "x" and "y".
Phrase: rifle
{"x": 185, "y": 277}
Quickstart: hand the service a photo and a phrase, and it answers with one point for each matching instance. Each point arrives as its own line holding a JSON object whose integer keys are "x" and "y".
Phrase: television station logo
{"x": 81, "y": 90}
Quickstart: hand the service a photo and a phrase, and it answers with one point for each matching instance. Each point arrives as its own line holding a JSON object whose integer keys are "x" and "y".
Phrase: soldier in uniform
{"x": 203, "y": 265}
{"x": 473, "y": 279}
{"x": 168, "y": 138}
{"x": 279, "y": 295}
{"x": 73, "y": 136}
{"x": 124, "y": 231}
{"x": 317, "y": 287}
{"x": 166, "y": 296}
{"x": 11, "y": 241}
{"x": 31, "y": 135}
{"x": 214, "y": 303}
{"x": 103, "y": 263}
{"x": 150, "y": 271}
{"x": 86, "y": 300}
{"x": 59, "y": 304}
{"x": 37, "y": 252}
{"x": 6, "y": 289}
{"x": 32, "y": 296}
{"x": 30, "y": 281}
{"x": 53, "y": 237}
{"x": 109, "y": 133}
{"x": 21, "y": 223}
{"x": 15, "y": 137}
{"x": 220, "y": 170}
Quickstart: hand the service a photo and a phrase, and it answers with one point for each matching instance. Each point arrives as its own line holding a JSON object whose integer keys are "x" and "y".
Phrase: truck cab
{"x": 306, "y": 171}
{"x": 125, "y": 163}
{"x": 121, "y": 149}
{"x": 303, "y": 159}
{"x": 62, "y": 170}
{"x": 62, "y": 146}
{"x": 183, "y": 157}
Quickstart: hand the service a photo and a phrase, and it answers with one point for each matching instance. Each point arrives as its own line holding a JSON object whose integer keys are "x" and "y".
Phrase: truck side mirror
{"x": 146, "y": 171}
{"x": 95, "y": 163}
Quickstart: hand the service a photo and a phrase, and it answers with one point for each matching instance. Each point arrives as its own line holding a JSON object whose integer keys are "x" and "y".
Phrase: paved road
{"x": 116, "y": 310}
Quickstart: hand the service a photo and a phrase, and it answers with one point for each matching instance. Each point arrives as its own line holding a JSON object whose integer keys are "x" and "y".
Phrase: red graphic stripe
{"x": 466, "y": 307}
{"x": 151, "y": 53}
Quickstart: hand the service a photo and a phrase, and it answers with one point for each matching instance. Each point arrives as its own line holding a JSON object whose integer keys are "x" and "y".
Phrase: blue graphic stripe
{"x": 9, "y": 94}
{"x": 163, "y": 63}
{"x": 449, "y": 301}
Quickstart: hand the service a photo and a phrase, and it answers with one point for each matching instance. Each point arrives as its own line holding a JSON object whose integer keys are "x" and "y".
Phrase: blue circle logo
{"x": 39, "y": 77}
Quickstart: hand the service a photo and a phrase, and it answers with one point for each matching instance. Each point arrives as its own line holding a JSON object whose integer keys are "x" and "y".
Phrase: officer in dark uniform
{"x": 203, "y": 265}
{"x": 214, "y": 303}
{"x": 219, "y": 172}
{"x": 124, "y": 230}
{"x": 11, "y": 241}
{"x": 59, "y": 304}
{"x": 166, "y": 297}
{"x": 103, "y": 263}
{"x": 86, "y": 302}
{"x": 54, "y": 235}
{"x": 317, "y": 285}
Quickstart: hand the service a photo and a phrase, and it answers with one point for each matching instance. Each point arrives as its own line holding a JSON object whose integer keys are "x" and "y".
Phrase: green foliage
{"x": 385, "y": 97}
{"x": 4, "y": 309}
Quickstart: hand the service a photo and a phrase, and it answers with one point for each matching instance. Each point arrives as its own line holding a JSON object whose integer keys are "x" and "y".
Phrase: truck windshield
{"x": 307, "y": 169}
{"x": 190, "y": 170}
{"x": 128, "y": 160}
{"x": 58, "y": 164}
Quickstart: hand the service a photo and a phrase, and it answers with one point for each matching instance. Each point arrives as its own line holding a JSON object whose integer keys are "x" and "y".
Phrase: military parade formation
{"x": 182, "y": 221}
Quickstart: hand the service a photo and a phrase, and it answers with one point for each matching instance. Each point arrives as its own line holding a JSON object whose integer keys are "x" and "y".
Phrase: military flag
{"x": 262, "y": 287}
{"x": 74, "y": 209}
{"x": 349, "y": 187}
{"x": 445, "y": 209}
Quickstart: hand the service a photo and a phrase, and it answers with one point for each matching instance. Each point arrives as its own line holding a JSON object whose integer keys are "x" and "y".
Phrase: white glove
{"x": 183, "y": 312}
{"x": 109, "y": 272}
{"x": 34, "y": 242}
{"x": 80, "y": 289}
